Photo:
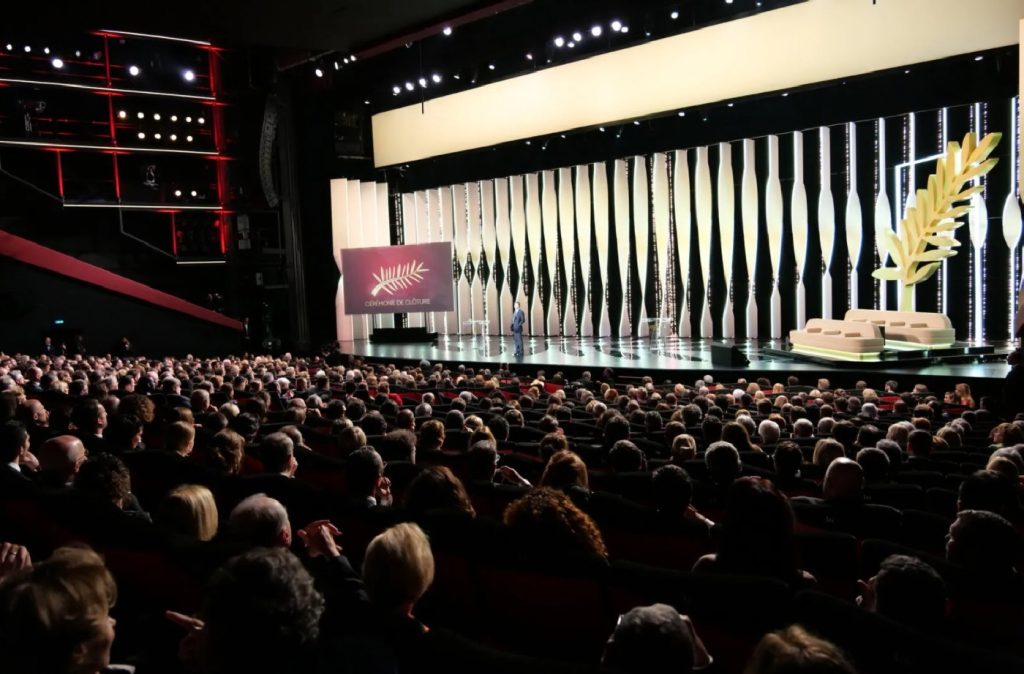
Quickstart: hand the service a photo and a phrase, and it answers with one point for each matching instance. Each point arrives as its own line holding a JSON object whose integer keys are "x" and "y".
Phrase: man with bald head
{"x": 843, "y": 507}
{"x": 60, "y": 458}
{"x": 36, "y": 419}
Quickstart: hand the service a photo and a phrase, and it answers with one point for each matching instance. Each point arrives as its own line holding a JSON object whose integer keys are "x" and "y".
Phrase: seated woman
{"x": 55, "y": 616}
{"x": 757, "y": 535}
{"x": 547, "y": 526}
{"x": 189, "y": 512}
{"x": 436, "y": 489}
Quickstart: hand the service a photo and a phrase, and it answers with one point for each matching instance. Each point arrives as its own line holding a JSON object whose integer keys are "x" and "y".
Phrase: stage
{"x": 676, "y": 359}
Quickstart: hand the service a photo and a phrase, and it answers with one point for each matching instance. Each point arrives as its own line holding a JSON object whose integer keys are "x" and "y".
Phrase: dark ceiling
{"x": 327, "y": 25}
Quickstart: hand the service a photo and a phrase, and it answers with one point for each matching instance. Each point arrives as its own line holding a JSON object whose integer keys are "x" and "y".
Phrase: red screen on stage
{"x": 398, "y": 279}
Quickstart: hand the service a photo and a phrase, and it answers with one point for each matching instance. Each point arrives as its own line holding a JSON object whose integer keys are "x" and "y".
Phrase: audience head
{"x": 875, "y": 464}
{"x": 650, "y": 640}
{"x": 723, "y": 462}
{"x": 277, "y": 452}
{"x": 549, "y": 522}
{"x": 844, "y": 481}
{"x": 757, "y": 534}
{"x": 672, "y": 490}
{"x": 795, "y": 651}
{"x": 190, "y": 511}
{"x": 180, "y": 438}
{"x": 104, "y": 478}
{"x": 909, "y": 591}
{"x": 398, "y": 568}
{"x": 260, "y": 521}
{"x": 60, "y": 458}
{"x": 626, "y": 457}
{"x": 437, "y": 488}
{"x": 826, "y": 451}
{"x": 565, "y": 469}
{"x": 984, "y": 543}
{"x": 365, "y": 469}
{"x": 14, "y": 442}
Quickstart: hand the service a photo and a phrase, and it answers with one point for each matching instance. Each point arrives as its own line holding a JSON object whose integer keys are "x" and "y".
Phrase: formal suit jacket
{"x": 518, "y": 318}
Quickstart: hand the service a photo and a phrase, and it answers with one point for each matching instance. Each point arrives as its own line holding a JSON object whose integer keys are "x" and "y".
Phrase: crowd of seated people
{"x": 293, "y": 515}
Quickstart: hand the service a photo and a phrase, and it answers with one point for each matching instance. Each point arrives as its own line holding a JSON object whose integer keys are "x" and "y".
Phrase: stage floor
{"x": 669, "y": 355}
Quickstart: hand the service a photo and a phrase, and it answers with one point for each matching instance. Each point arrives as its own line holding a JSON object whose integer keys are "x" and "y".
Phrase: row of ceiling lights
{"x": 57, "y": 62}
{"x": 123, "y": 114}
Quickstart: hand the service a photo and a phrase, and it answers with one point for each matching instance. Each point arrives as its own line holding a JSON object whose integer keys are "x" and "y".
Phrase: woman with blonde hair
{"x": 189, "y": 511}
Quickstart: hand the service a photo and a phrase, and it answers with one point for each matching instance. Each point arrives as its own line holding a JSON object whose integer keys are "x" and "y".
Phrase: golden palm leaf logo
{"x": 926, "y": 233}
{"x": 398, "y": 277}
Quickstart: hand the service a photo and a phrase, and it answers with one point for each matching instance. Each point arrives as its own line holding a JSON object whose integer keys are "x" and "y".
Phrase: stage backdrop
{"x": 398, "y": 279}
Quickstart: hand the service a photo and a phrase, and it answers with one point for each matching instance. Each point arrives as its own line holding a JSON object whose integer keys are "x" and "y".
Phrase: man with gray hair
{"x": 260, "y": 521}
{"x": 769, "y": 432}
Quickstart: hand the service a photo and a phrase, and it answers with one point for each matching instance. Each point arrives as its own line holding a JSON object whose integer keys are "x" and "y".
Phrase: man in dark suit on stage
{"x": 518, "y": 318}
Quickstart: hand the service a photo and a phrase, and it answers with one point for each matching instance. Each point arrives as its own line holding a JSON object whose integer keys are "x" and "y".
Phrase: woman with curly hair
{"x": 437, "y": 488}
{"x": 548, "y": 524}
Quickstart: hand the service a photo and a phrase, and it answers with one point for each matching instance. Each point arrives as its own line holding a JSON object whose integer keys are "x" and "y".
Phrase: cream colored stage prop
{"x": 1011, "y": 217}
{"x": 852, "y": 340}
{"x": 549, "y": 211}
{"x": 883, "y": 214}
{"x": 489, "y": 254}
{"x": 641, "y": 229}
{"x": 911, "y": 328}
{"x": 660, "y": 219}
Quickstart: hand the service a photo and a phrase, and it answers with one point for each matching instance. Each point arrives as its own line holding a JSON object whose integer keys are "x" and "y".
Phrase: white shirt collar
{"x": 14, "y": 466}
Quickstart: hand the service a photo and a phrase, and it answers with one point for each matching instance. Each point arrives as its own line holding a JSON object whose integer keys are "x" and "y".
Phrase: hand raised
{"x": 13, "y": 557}
{"x": 318, "y": 537}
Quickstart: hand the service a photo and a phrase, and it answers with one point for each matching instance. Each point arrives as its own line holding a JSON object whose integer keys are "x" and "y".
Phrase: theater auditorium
{"x": 511, "y": 336}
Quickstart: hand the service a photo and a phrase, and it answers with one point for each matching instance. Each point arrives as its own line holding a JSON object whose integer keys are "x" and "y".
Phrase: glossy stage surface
{"x": 684, "y": 358}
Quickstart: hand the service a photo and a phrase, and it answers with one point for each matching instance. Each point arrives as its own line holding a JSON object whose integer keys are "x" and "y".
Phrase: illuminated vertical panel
{"x": 433, "y": 230}
{"x": 383, "y": 237}
{"x": 567, "y": 256}
{"x": 447, "y": 321}
{"x": 460, "y": 221}
{"x": 360, "y": 325}
{"x": 490, "y": 254}
{"x": 854, "y": 224}
{"x": 475, "y": 247}
{"x": 517, "y": 252}
{"x": 412, "y": 215}
{"x": 584, "y": 221}
{"x": 660, "y": 201}
{"x": 798, "y": 216}
{"x": 533, "y": 243}
{"x": 1011, "y": 219}
{"x": 826, "y": 217}
{"x": 773, "y": 208}
{"x": 339, "y": 241}
{"x": 620, "y": 193}
{"x": 726, "y": 232}
{"x": 641, "y": 241}
{"x": 602, "y": 224}
{"x": 549, "y": 222}
{"x": 683, "y": 222}
{"x": 703, "y": 205}
{"x": 977, "y": 223}
{"x": 883, "y": 215}
{"x": 749, "y": 211}
{"x": 503, "y": 236}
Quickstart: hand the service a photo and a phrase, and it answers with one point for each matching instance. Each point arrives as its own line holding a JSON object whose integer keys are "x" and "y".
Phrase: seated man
{"x": 260, "y": 521}
{"x": 654, "y": 639}
{"x": 842, "y": 507}
{"x": 907, "y": 590}
{"x": 14, "y": 453}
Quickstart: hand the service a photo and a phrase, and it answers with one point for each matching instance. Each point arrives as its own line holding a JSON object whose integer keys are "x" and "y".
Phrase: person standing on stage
{"x": 518, "y": 318}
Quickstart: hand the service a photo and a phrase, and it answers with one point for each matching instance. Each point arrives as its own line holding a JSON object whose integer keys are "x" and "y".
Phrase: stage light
{"x": 142, "y": 135}
{"x": 157, "y": 136}
{"x": 57, "y": 63}
{"x": 423, "y": 82}
{"x": 601, "y": 129}
{"x": 318, "y": 72}
{"x": 188, "y": 75}
{"x": 141, "y": 115}
{"x": 731, "y": 104}
{"x": 457, "y": 76}
{"x": 201, "y": 120}
{"x": 336, "y": 66}
{"x": 728, "y": 2}
{"x": 133, "y": 71}
{"x": 785, "y": 93}
{"x": 46, "y": 50}
{"x": 616, "y": 25}
{"x": 577, "y": 36}
{"x": 436, "y": 78}
{"x": 28, "y": 49}
{"x": 188, "y": 139}
{"x": 174, "y": 137}
{"x": 907, "y": 71}
{"x": 682, "y": 113}
{"x": 674, "y": 15}
{"x": 396, "y": 89}
{"x": 188, "y": 120}
{"x": 177, "y": 193}
{"x": 366, "y": 102}
{"x": 194, "y": 193}
{"x": 156, "y": 116}
{"x": 344, "y": 60}
{"x": 559, "y": 41}
{"x": 78, "y": 54}
{"x": 528, "y": 142}
{"x": 978, "y": 57}
{"x": 122, "y": 115}
{"x": 562, "y": 135}
{"x": 447, "y": 30}
{"x": 625, "y": 29}
{"x": 174, "y": 118}
{"x": 595, "y": 31}
{"x": 571, "y": 45}
{"x": 10, "y": 47}
{"x": 529, "y": 56}
{"x": 352, "y": 58}
{"x": 409, "y": 86}
{"x": 490, "y": 66}
{"x": 636, "y": 122}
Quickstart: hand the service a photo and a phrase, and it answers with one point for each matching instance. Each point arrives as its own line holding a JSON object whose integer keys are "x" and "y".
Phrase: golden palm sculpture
{"x": 926, "y": 233}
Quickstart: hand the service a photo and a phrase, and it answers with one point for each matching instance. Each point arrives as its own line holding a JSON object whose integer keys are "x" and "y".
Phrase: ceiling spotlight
{"x": 616, "y": 25}
{"x": 601, "y": 129}
{"x": 577, "y": 36}
{"x": 201, "y": 120}
{"x": 447, "y": 30}
{"x": 559, "y": 42}
{"x": 142, "y": 135}
{"x": 28, "y": 49}
{"x": 174, "y": 118}
{"x": 336, "y": 66}
{"x": 490, "y": 66}
{"x": 978, "y": 57}
{"x": 57, "y": 63}
{"x": 157, "y": 136}
{"x": 174, "y": 137}
{"x": 352, "y": 58}
{"x": 457, "y": 76}
{"x": 133, "y": 71}
{"x": 785, "y": 93}
{"x": 396, "y": 89}
{"x": 188, "y": 75}
{"x": 156, "y": 116}
{"x": 529, "y": 56}
{"x": 636, "y": 122}
{"x": 731, "y": 104}
{"x": 194, "y": 193}
{"x": 681, "y": 113}
{"x": 625, "y": 29}
{"x": 46, "y": 50}
{"x": 409, "y": 86}
{"x": 344, "y": 60}
{"x": 674, "y": 15}
{"x": 595, "y": 31}
{"x": 366, "y": 102}
{"x": 188, "y": 120}
{"x": 188, "y": 139}
{"x": 177, "y": 193}
{"x": 907, "y": 71}
{"x": 571, "y": 45}
{"x": 728, "y": 2}
{"x": 141, "y": 115}
{"x": 318, "y": 72}
{"x": 423, "y": 81}
{"x": 78, "y": 53}
{"x": 436, "y": 78}
{"x": 528, "y": 142}
{"x": 122, "y": 114}
{"x": 562, "y": 135}
{"x": 10, "y": 47}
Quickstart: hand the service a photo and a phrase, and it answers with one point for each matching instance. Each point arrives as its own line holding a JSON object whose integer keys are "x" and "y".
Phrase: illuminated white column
{"x": 584, "y": 216}
{"x": 702, "y": 202}
{"x": 826, "y": 218}
{"x": 977, "y": 224}
{"x": 412, "y": 206}
{"x": 549, "y": 213}
{"x": 726, "y": 232}
{"x": 642, "y": 229}
{"x": 567, "y": 235}
{"x": 660, "y": 201}
{"x": 517, "y": 252}
{"x": 682, "y": 206}
{"x": 854, "y": 224}
{"x": 749, "y": 210}
{"x": 602, "y": 223}
{"x": 1011, "y": 216}
{"x": 621, "y": 221}
{"x": 487, "y": 226}
{"x": 883, "y": 215}
{"x": 368, "y": 237}
{"x": 339, "y": 240}
{"x": 383, "y": 232}
{"x": 798, "y": 217}
{"x": 503, "y": 235}
{"x": 533, "y": 233}
{"x": 433, "y": 197}
{"x": 360, "y": 325}
{"x": 460, "y": 220}
{"x": 446, "y": 321}
{"x": 773, "y": 209}
{"x": 476, "y": 245}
